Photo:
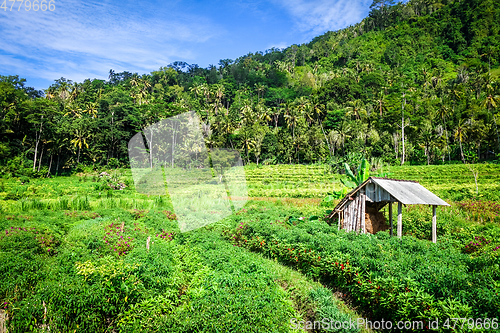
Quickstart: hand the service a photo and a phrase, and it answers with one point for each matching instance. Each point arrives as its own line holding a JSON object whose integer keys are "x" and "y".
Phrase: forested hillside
{"x": 412, "y": 83}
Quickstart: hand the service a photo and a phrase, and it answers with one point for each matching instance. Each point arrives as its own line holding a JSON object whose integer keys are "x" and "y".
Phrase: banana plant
{"x": 351, "y": 181}
{"x": 362, "y": 174}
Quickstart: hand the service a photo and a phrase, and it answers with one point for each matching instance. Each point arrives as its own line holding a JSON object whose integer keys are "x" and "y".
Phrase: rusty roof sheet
{"x": 409, "y": 192}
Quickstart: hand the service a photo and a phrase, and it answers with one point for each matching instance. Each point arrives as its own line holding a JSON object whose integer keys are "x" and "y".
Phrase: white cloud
{"x": 318, "y": 16}
{"x": 82, "y": 39}
{"x": 280, "y": 45}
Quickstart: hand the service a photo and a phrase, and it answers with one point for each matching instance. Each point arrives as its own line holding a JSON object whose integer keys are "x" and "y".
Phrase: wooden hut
{"x": 360, "y": 209}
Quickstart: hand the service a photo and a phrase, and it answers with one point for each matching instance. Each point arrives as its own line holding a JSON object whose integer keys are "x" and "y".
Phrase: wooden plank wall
{"x": 362, "y": 213}
{"x": 354, "y": 214}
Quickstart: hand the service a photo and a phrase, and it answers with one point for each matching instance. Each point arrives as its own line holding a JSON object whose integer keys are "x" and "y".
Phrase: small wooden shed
{"x": 360, "y": 209}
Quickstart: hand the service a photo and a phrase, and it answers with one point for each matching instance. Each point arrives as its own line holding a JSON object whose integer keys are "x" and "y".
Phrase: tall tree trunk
{"x": 34, "y": 158}
{"x": 151, "y": 151}
{"x": 37, "y": 138}
{"x": 461, "y": 151}
{"x": 50, "y": 165}
{"x": 40, "y": 161}
{"x": 447, "y": 148}
{"x": 328, "y": 143}
{"x": 403, "y": 130}
{"x": 112, "y": 134}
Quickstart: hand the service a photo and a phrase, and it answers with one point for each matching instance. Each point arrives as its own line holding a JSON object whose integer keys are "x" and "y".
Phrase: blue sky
{"x": 85, "y": 39}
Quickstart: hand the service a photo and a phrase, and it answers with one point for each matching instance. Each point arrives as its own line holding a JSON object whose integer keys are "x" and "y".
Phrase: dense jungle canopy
{"x": 415, "y": 82}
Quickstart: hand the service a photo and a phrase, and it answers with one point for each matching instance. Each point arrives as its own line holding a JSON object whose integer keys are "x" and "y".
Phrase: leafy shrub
{"x": 438, "y": 273}
{"x": 113, "y": 163}
{"x": 139, "y": 213}
{"x": 481, "y": 211}
{"x": 109, "y": 182}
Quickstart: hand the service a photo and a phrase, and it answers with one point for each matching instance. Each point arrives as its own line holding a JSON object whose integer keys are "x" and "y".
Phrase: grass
{"x": 76, "y": 215}
{"x": 74, "y": 212}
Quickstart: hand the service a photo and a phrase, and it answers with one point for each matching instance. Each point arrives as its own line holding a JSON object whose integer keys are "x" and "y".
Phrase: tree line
{"x": 414, "y": 82}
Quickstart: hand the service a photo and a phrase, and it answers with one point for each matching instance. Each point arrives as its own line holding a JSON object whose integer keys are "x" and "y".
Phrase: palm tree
{"x": 461, "y": 134}
{"x": 259, "y": 88}
{"x": 80, "y": 138}
{"x": 443, "y": 112}
{"x": 263, "y": 113}
{"x": 428, "y": 137}
{"x": 275, "y": 114}
{"x": 292, "y": 119}
{"x": 50, "y": 93}
{"x": 381, "y": 101}
{"x": 354, "y": 108}
{"x": 134, "y": 81}
{"x": 248, "y": 143}
{"x": 196, "y": 89}
{"x": 219, "y": 92}
{"x": 74, "y": 110}
{"x": 492, "y": 100}
{"x": 91, "y": 109}
{"x": 63, "y": 90}
{"x": 246, "y": 116}
{"x": 344, "y": 133}
{"x": 335, "y": 141}
{"x": 76, "y": 89}
{"x": 206, "y": 91}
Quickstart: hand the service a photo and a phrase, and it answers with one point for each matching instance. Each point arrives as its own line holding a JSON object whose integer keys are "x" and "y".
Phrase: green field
{"x": 79, "y": 256}
{"x": 453, "y": 182}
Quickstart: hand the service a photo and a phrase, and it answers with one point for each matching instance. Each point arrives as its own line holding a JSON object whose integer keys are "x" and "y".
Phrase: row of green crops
{"x": 92, "y": 271}
{"x": 452, "y": 182}
{"x": 390, "y": 278}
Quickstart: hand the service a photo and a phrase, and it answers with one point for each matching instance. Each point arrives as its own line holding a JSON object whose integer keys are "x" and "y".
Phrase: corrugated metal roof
{"x": 409, "y": 192}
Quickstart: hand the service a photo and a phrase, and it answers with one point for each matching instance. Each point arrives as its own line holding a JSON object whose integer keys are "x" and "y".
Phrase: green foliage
{"x": 362, "y": 174}
{"x": 113, "y": 163}
{"x": 338, "y": 95}
{"x": 374, "y": 269}
{"x": 177, "y": 281}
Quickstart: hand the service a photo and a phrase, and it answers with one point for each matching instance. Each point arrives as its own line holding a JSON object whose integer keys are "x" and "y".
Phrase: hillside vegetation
{"x": 415, "y": 82}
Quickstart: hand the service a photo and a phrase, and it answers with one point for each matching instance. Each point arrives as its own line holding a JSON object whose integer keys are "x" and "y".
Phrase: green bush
{"x": 415, "y": 278}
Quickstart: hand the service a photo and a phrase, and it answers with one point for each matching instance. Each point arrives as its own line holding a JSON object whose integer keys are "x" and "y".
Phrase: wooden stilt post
{"x": 390, "y": 216}
{"x": 339, "y": 219}
{"x": 363, "y": 208}
{"x": 400, "y": 219}
{"x": 434, "y": 226}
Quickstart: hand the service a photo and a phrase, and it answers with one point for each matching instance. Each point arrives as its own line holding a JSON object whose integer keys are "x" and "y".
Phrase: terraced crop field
{"x": 453, "y": 182}
{"x": 80, "y": 255}
{"x": 295, "y": 181}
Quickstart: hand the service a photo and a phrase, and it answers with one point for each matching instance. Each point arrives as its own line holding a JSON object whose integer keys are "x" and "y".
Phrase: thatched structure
{"x": 360, "y": 209}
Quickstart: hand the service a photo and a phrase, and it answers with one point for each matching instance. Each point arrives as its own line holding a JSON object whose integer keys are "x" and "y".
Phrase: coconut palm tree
{"x": 354, "y": 108}
{"x": 259, "y": 88}
{"x": 292, "y": 119}
{"x": 79, "y": 140}
{"x": 381, "y": 102}
{"x": 91, "y": 109}
{"x": 492, "y": 100}
{"x": 246, "y": 116}
{"x": 443, "y": 112}
{"x": 461, "y": 134}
